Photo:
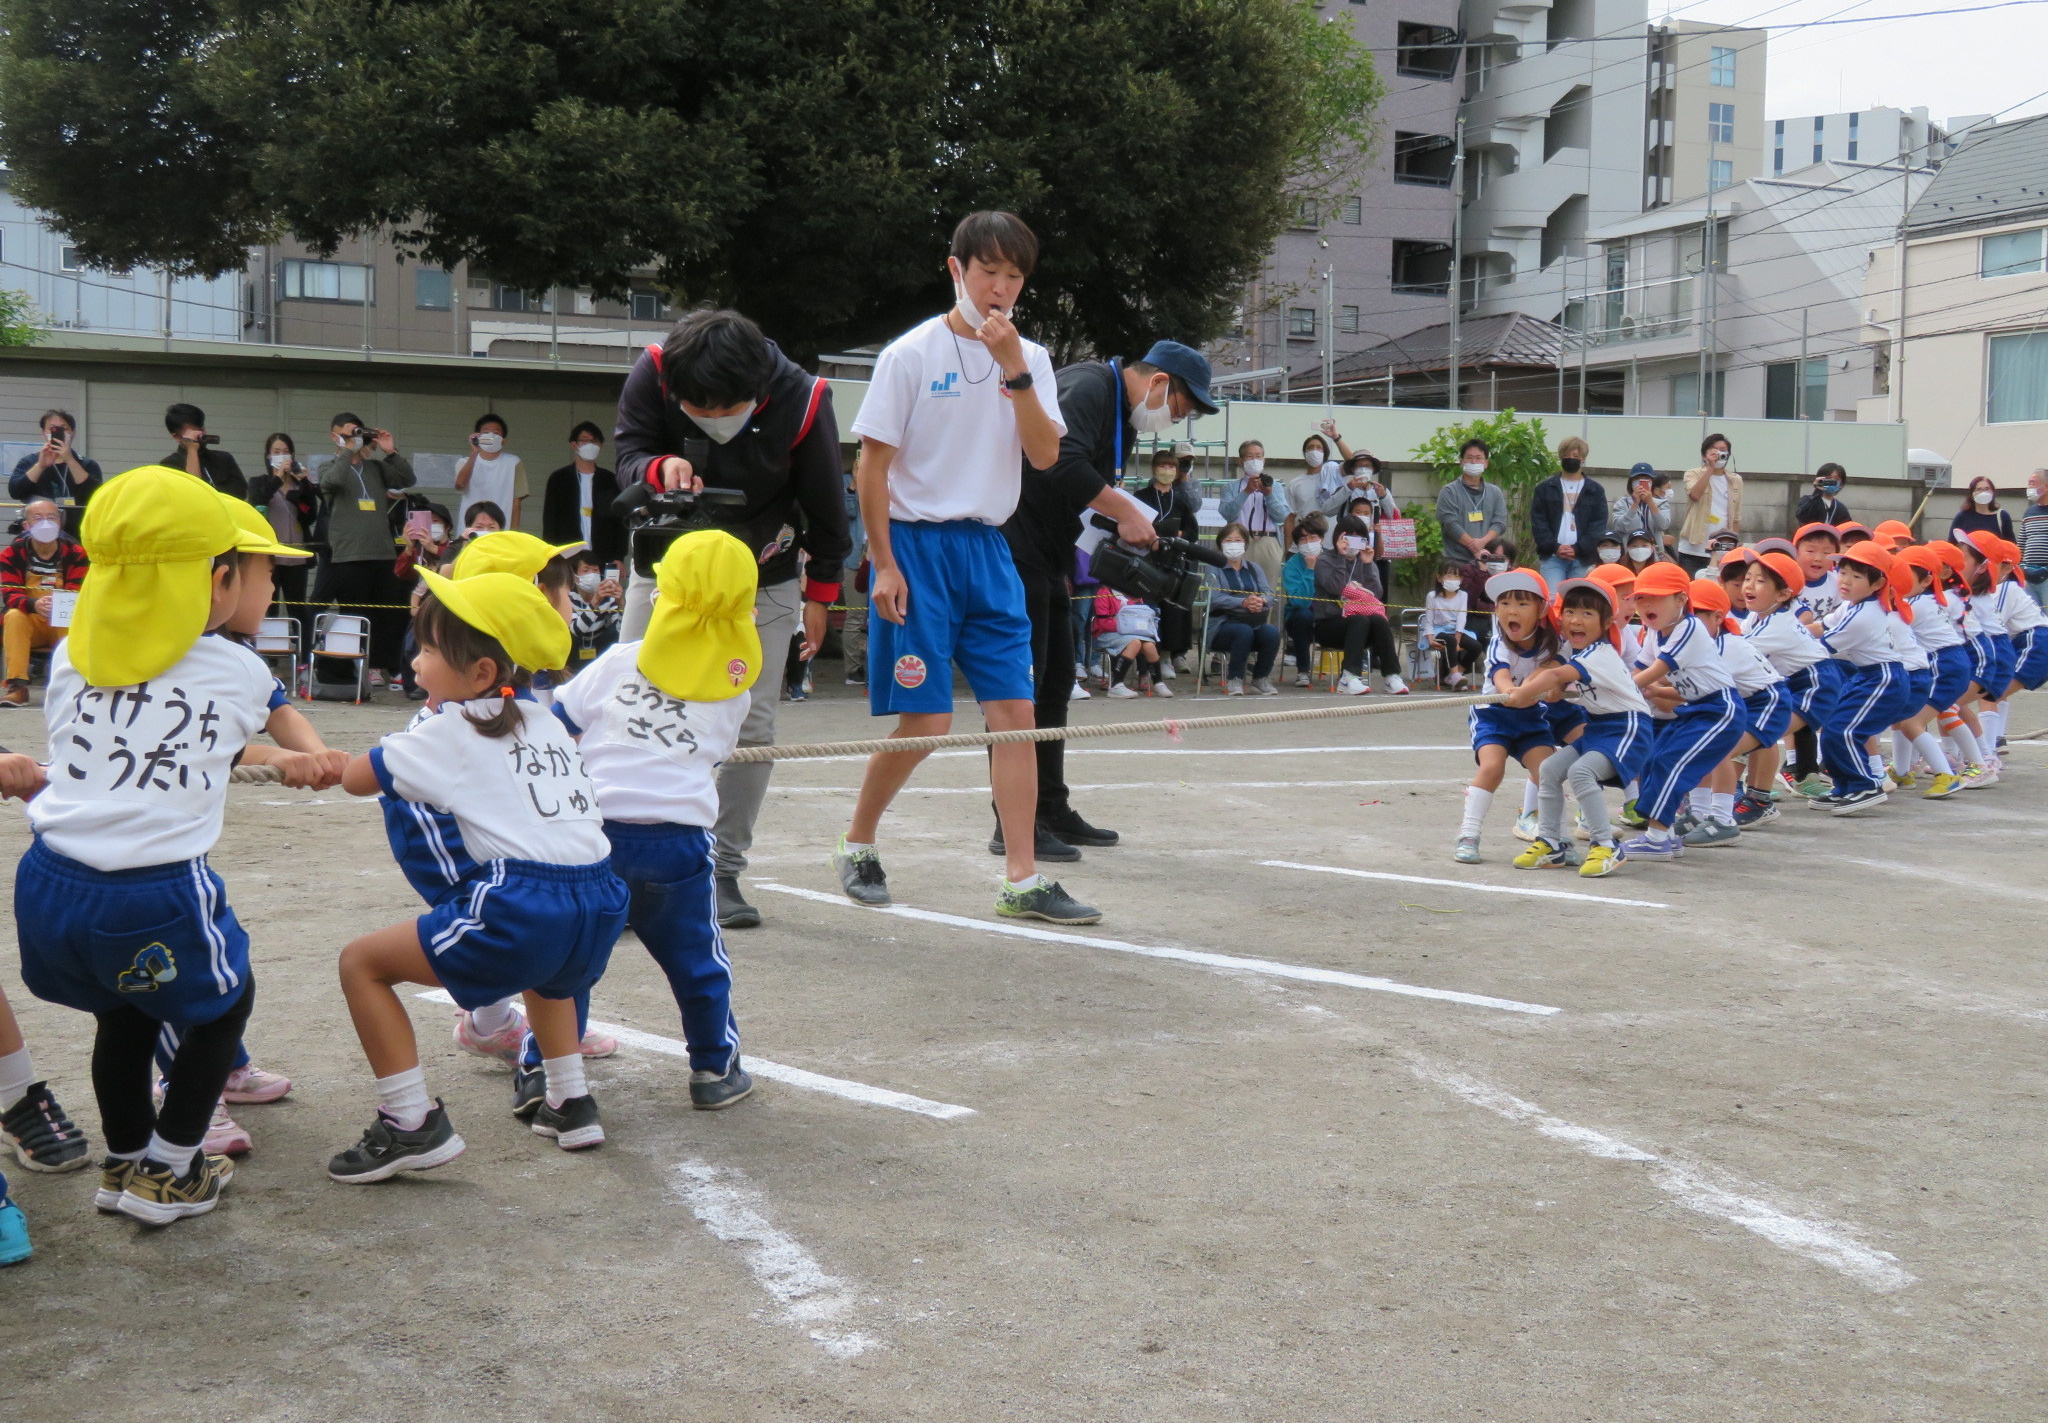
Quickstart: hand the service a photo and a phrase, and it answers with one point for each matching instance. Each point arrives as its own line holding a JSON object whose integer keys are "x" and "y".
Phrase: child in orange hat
{"x": 1812, "y": 680}
{"x": 1767, "y": 708}
{"x": 1876, "y": 691}
{"x": 1921, "y": 570}
{"x": 2023, "y": 623}
{"x": 1892, "y": 534}
{"x": 1986, "y": 571}
{"x": 1918, "y": 664}
{"x": 1699, "y": 719}
{"x": 1523, "y": 643}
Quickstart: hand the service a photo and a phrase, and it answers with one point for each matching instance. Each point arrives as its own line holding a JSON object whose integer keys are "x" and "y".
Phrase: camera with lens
{"x": 656, "y": 518}
{"x": 1169, "y": 573}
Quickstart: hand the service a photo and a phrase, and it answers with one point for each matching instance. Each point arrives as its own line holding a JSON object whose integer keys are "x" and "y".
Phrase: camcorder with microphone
{"x": 656, "y": 518}
{"x": 1169, "y": 573}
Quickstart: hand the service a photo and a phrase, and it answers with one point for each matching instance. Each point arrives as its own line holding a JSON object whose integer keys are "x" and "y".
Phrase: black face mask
{"x": 1571, "y": 466}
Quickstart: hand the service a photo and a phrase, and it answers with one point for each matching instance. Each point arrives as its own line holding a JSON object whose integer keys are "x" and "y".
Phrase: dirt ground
{"x": 1775, "y": 1154}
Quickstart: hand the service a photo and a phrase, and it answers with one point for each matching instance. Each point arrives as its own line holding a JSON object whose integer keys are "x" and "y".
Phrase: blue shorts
{"x": 1770, "y": 712}
{"x": 966, "y": 605}
{"x": 1919, "y": 691}
{"x": 160, "y": 939}
{"x": 2005, "y": 659}
{"x": 1952, "y": 667}
{"x": 520, "y": 926}
{"x": 1689, "y": 745}
{"x": 2032, "y": 670}
{"x": 1564, "y": 718}
{"x": 1520, "y": 729}
{"x": 1815, "y": 691}
{"x": 1624, "y": 738}
{"x": 1984, "y": 663}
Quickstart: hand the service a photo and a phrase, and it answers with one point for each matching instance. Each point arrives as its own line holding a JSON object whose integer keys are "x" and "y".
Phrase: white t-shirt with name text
{"x": 655, "y": 759}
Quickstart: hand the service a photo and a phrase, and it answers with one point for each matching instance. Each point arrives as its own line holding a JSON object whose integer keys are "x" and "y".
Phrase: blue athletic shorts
{"x": 2032, "y": 670}
{"x": 1952, "y": 669}
{"x": 1919, "y": 692}
{"x": 1624, "y": 738}
{"x": 1690, "y": 743}
{"x": 966, "y": 605}
{"x": 1520, "y": 729}
{"x": 1770, "y": 712}
{"x": 161, "y": 939}
{"x": 1563, "y": 717}
{"x": 521, "y": 925}
{"x": 1984, "y": 662}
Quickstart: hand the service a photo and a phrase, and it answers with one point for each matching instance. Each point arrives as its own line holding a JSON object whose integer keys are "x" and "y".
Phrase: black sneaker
{"x": 573, "y": 1125}
{"x": 1857, "y": 801}
{"x": 1048, "y": 902}
{"x": 1044, "y": 846}
{"x": 733, "y": 910}
{"x": 709, "y": 1091}
{"x": 41, "y": 1135}
{"x": 387, "y": 1149}
{"x": 1070, "y": 827}
{"x": 529, "y": 1090}
{"x": 860, "y": 875}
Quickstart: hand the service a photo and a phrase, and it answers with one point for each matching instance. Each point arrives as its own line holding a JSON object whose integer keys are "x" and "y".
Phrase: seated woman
{"x": 1298, "y": 585}
{"x": 1350, "y": 613}
{"x": 1240, "y": 616}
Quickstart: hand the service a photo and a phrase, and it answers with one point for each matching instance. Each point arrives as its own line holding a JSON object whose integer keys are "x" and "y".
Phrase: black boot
{"x": 733, "y": 910}
{"x": 1066, "y": 823}
{"x": 1047, "y": 847}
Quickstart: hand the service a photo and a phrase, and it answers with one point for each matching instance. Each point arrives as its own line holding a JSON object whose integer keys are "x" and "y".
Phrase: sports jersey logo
{"x": 909, "y": 671}
{"x": 153, "y": 968}
{"x": 945, "y": 387}
{"x": 737, "y": 670}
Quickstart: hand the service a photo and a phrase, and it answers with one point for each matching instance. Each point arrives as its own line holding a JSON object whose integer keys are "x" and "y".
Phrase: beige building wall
{"x": 1682, "y": 141}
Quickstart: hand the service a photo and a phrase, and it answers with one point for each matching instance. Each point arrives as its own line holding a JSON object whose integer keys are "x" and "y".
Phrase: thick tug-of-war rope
{"x": 267, "y": 775}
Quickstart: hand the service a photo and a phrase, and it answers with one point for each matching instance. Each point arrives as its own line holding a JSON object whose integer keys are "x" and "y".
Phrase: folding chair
{"x": 339, "y": 637}
{"x": 1423, "y": 663}
{"x": 279, "y": 637}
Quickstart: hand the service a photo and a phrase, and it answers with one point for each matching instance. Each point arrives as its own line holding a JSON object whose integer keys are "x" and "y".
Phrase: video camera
{"x": 656, "y": 518}
{"x": 1165, "y": 574}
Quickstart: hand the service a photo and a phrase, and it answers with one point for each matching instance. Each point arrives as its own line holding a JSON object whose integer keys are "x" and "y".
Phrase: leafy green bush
{"x": 1520, "y": 459}
{"x": 20, "y": 323}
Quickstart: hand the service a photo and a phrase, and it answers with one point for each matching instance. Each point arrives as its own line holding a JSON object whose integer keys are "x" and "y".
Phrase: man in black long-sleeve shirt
{"x": 194, "y": 455}
{"x": 771, "y": 434}
{"x": 1104, "y": 404}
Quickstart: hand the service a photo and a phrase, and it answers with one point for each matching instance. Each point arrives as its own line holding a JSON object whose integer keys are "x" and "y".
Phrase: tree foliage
{"x": 803, "y": 160}
{"x": 1519, "y": 459}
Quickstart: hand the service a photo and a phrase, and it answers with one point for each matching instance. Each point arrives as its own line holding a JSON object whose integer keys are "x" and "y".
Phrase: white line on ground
{"x": 1977, "y": 886}
{"x": 1074, "y": 750}
{"x": 1136, "y": 786}
{"x": 730, "y": 1209}
{"x": 773, "y": 1071}
{"x": 1194, "y": 956}
{"x": 1470, "y": 884}
{"x": 1827, "y": 1243}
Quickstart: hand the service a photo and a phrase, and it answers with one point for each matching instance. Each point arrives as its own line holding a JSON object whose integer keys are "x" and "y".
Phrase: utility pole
{"x": 1898, "y": 380}
{"x": 1457, "y": 250}
{"x": 1329, "y": 338}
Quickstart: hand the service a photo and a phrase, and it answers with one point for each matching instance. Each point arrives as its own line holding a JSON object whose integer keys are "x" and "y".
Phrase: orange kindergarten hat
{"x": 1951, "y": 555}
{"x": 1615, "y": 577}
{"x": 1872, "y": 555}
{"x": 1804, "y": 531}
{"x": 1786, "y": 568}
{"x": 1891, "y": 533}
{"x": 1711, "y": 599}
{"x": 1932, "y": 563}
{"x": 1662, "y": 580}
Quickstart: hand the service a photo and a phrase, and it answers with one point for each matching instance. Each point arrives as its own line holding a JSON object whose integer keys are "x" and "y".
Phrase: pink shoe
{"x": 224, "y": 1136}
{"x": 503, "y": 1044}
{"x": 596, "y": 1044}
{"x": 253, "y": 1084}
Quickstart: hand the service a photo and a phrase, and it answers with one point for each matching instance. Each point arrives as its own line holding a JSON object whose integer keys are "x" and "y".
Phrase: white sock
{"x": 1994, "y": 725}
{"x": 1700, "y": 801}
{"x": 853, "y": 847}
{"x": 1875, "y": 763}
{"x": 565, "y": 1078}
{"x": 1902, "y": 751}
{"x": 1032, "y": 881}
{"x": 178, "y": 1158}
{"x": 17, "y": 1075}
{"x": 1477, "y": 802}
{"x": 1966, "y": 745}
{"x": 1528, "y": 796}
{"x": 128, "y": 1155}
{"x": 493, "y": 1017}
{"x": 1929, "y": 746}
{"x": 1724, "y": 807}
{"x": 403, "y": 1097}
{"x": 1660, "y": 835}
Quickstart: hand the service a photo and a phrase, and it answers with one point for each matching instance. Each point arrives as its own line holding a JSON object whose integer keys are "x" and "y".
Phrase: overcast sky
{"x": 1953, "y": 64}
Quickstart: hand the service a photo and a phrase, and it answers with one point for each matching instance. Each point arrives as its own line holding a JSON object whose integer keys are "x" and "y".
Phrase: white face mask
{"x": 1472, "y": 469}
{"x": 1496, "y": 568}
{"x": 1638, "y": 552}
{"x": 722, "y": 428}
{"x": 1150, "y": 419}
{"x": 1254, "y": 466}
{"x": 1610, "y": 554}
{"x": 1351, "y": 543}
{"x": 1233, "y": 549}
{"x": 43, "y": 531}
{"x": 587, "y": 582}
{"x": 490, "y": 444}
{"x": 588, "y": 451}
{"x": 280, "y": 461}
{"x": 349, "y": 442}
{"x": 1982, "y": 496}
{"x": 1449, "y": 585}
{"x": 1310, "y": 548}
{"x": 967, "y": 310}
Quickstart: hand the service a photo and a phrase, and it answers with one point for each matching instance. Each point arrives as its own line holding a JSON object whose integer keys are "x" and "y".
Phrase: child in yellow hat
{"x": 146, "y": 717}
{"x": 491, "y": 814}
{"x": 655, "y": 720}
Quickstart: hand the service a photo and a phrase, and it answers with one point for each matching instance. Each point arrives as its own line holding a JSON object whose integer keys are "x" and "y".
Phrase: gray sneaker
{"x": 860, "y": 875}
{"x": 1045, "y": 901}
{"x": 709, "y": 1091}
{"x": 1709, "y": 833}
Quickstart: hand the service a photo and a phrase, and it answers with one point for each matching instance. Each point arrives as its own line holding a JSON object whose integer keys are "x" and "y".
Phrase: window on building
{"x": 1720, "y": 174}
{"x": 1305, "y": 213}
{"x": 1347, "y": 320}
{"x": 2019, "y": 378}
{"x": 1423, "y": 159}
{"x": 346, "y": 282}
{"x": 1685, "y": 393}
{"x": 585, "y": 304}
{"x": 504, "y": 298}
{"x": 1820, "y": 133}
{"x": 67, "y": 258}
{"x": 1788, "y": 396}
{"x": 1721, "y": 67}
{"x": 1778, "y": 148}
{"x": 2012, "y": 254}
{"x": 433, "y": 289}
{"x": 647, "y": 306}
{"x": 1853, "y": 122}
{"x": 1352, "y": 211}
{"x": 1301, "y": 322}
{"x": 1422, "y": 268}
{"x": 1720, "y": 123}
{"x": 1427, "y": 51}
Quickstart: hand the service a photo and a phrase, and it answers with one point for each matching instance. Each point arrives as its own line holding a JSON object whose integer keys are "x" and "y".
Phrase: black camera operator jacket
{"x": 786, "y": 461}
{"x": 1050, "y": 502}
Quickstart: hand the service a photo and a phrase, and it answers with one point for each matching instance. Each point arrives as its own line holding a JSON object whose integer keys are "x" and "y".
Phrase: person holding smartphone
{"x": 199, "y": 454}
{"x": 56, "y": 471}
{"x": 290, "y": 500}
{"x": 359, "y": 481}
{"x": 491, "y": 472}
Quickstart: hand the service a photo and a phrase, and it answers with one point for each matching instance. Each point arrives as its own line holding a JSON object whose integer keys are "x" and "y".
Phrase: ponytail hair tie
{"x": 506, "y": 692}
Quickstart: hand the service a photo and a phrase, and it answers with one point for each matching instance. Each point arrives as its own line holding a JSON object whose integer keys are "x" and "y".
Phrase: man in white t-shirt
{"x": 491, "y": 473}
{"x": 956, "y": 407}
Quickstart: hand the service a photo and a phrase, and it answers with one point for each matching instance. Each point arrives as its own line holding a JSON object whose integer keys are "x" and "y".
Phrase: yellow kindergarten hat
{"x": 701, "y": 645}
{"x": 510, "y": 609}
{"x": 253, "y": 533}
{"x": 507, "y": 551}
{"x": 151, "y": 535}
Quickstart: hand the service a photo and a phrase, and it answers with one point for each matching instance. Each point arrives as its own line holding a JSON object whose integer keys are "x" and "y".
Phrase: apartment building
{"x": 1881, "y": 136}
{"x": 1703, "y": 110}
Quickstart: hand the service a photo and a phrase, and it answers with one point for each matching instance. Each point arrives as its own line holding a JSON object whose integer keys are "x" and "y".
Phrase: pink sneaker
{"x": 596, "y": 1044}
{"x": 503, "y": 1044}
{"x": 224, "y": 1136}
{"x": 253, "y": 1084}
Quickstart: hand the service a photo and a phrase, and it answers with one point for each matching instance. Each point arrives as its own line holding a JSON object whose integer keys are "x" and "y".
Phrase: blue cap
{"x": 1190, "y": 365}
{"x": 1643, "y": 468}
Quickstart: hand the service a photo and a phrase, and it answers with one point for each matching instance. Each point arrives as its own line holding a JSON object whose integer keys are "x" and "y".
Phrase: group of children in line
{"x": 1681, "y": 690}
{"x": 535, "y": 833}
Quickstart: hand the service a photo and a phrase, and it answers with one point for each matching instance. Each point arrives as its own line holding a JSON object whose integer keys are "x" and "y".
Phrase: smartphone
{"x": 419, "y": 524}
{"x": 611, "y": 573}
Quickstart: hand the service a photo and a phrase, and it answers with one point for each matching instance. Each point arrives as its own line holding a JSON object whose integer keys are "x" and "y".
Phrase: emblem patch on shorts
{"x": 153, "y": 967}
{"x": 909, "y": 671}
{"x": 737, "y": 670}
